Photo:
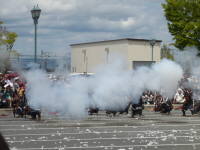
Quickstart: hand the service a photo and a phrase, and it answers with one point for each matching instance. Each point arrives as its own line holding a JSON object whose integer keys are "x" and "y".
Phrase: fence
{"x": 50, "y": 63}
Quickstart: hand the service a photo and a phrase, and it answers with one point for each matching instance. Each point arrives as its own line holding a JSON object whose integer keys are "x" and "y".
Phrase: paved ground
{"x": 152, "y": 131}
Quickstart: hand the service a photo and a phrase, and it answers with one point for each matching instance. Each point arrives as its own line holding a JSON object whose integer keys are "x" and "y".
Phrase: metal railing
{"x": 48, "y": 63}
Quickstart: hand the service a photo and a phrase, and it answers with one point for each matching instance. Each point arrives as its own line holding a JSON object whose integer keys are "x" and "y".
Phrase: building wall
{"x": 142, "y": 51}
{"x": 87, "y": 57}
{"x": 96, "y": 55}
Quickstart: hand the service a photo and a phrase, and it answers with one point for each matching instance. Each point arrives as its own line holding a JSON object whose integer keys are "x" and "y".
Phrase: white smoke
{"x": 4, "y": 60}
{"x": 111, "y": 88}
{"x": 190, "y": 62}
{"x": 188, "y": 59}
{"x": 56, "y": 96}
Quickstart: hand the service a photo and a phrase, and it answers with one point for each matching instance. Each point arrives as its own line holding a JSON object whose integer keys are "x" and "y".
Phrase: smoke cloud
{"x": 112, "y": 87}
{"x": 190, "y": 62}
{"x": 4, "y": 60}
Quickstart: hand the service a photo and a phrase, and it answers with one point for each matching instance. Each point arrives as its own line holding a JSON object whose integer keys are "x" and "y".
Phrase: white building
{"x": 85, "y": 57}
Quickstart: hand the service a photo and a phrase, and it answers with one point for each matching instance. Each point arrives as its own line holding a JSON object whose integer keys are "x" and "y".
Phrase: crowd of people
{"x": 183, "y": 97}
{"x": 12, "y": 95}
{"x": 12, "y": 90}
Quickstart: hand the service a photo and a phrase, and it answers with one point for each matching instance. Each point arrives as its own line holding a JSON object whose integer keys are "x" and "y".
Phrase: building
{"x": 85, "y": 57}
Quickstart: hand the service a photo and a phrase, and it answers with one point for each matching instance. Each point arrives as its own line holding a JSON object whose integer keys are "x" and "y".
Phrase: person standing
{"x": 187, "y": 104}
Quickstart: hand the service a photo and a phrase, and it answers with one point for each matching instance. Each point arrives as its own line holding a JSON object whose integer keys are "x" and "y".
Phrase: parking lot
{"x": 98, "y": 132}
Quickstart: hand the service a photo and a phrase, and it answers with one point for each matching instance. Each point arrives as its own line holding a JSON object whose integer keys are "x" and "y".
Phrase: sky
{"x": 65, "y": 22}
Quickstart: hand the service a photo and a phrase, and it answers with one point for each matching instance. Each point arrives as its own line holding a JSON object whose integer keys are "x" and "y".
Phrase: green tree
{"x": 10, "y": 40}
{"x": 7, "y": 40}
{"x": 183, "y": 18}
{"x": 166, "y": 52}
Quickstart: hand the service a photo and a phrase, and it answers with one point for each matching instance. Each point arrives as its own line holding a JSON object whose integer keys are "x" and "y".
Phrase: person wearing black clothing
{"x": 34, "y": 113}
{"x": 166, "y": 106}
{"x": 188, "y": 101}
{"x": 137, "y": 108}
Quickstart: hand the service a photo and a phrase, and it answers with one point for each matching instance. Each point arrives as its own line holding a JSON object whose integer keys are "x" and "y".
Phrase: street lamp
{"x": 35, "y": 15}
{"x": 85, "y": 59}
{"x": 152, "y": 43}
{"x": 107, "y": 55}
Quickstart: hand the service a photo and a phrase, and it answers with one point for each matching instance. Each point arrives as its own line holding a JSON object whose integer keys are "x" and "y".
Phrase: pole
{"x": 86, "y": 64}
{"x": 35, "y": 58}
{"x": 84, "y": 61}
{"x": 152, "y": 54}
{"x": 107, "y": 55}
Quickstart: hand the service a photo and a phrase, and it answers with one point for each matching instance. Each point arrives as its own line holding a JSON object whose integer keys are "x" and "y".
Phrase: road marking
{"x": 92, "y": 123}
{"x": 124, "y": 117}
{"x": 102, "y": 117}
{"x": 103, "y": 127}
{"x": 58, "y": 123}
{"x": 78, "y": 123}
{"x": 105, "y": 132}
{"x": 113, "y": 146}
{"x": 101, "y": 138}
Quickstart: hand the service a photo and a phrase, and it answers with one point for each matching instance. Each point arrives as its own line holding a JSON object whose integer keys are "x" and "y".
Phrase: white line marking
{"x": 103, "y": 127}
{"x": 78, "y": 123}
{"x": 58, "y": 123}
{"x": 62, "y": 122}
{"x": 114, "y": 146}
{"x": 103, "y": 118}
{"x": 105, "y": 132}
{"x": 124, "y": 117}
{"x": 91, "y": 139}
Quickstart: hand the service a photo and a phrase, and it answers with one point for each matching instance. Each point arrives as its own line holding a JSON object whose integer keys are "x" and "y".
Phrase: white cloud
{"x": 57, "y": 5}
{"x": 130, "y": 22}
{"x": 107, "y": 24}
{"x": 63, "y": 22}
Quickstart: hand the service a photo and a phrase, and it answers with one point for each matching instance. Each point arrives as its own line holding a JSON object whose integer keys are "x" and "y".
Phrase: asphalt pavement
{"x": 101, "y": 132}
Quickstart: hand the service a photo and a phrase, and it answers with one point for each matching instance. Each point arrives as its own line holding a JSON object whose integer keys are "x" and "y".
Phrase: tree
{"x": 183, "y": 18}
{"x": 166, "y": 52}
{"x": 7, "y": 38}
{"x": 10, "y": 40}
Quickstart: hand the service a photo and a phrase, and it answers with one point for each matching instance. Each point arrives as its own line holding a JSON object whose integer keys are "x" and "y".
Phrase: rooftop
{"x": 128, "y": 39}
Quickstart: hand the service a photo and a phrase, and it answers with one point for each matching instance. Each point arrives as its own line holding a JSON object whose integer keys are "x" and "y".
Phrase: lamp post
{"x": 107, "y": 55}
{"x": 35, "y": 15}
{"x": 85, "y": 59}
{"x": 152, "y": 43}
